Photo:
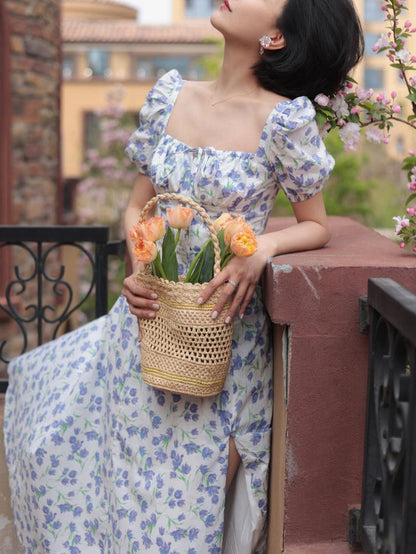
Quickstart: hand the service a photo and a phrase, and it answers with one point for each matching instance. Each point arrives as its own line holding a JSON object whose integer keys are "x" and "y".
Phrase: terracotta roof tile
{"x": 125, "y": 31}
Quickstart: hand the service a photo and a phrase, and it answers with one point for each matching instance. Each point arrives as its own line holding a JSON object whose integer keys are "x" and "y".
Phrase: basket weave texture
{"x": 184, "y": 350}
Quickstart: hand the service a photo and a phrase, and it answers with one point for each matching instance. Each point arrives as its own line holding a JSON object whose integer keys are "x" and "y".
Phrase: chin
{"x": 216, "y": 21}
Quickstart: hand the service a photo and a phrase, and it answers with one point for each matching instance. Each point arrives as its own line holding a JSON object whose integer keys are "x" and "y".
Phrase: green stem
{"x": 195, "y": 261}
{"x": 178, "y": 234}
{"x": 159, "y": 266}
{"x": 226, "y": 260}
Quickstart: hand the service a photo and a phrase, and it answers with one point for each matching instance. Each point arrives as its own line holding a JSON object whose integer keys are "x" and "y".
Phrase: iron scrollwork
{"x": 37, "y": 310}
{"x": 389, "y": 488}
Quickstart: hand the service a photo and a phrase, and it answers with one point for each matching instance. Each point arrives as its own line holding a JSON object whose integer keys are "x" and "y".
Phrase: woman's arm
{"x": 310, "y": 232}
{"x": 141, "y": 301}
{"x": 143, "y": 191}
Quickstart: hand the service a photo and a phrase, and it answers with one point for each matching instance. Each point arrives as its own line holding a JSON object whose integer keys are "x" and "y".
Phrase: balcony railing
{"x": 39, "y": 245}
{"x": 388, "y": 511}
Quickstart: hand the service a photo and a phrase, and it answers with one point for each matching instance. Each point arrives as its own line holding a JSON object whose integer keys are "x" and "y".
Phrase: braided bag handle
{"x": 207, "y": 220}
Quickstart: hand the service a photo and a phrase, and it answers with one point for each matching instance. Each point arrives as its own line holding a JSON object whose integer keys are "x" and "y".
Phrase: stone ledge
{"x": 321, "y": 548}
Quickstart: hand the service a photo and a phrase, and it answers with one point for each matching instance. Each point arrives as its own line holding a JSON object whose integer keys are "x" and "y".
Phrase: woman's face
{"x": 246, "y": 21}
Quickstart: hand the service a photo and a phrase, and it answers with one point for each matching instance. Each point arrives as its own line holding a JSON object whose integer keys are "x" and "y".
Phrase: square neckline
{"x": 211, "y": 149}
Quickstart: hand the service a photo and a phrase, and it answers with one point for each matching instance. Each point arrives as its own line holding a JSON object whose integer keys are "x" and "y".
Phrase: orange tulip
{"x": 238, "y": 225}
{"x": 139, "y": 231}
{"x": 145, "y": 250}
{"x": 155, "y": 228}
{"x": 222, "y": 222}
{"x": 180, "y": 217}
{"x": 243, "y": 243}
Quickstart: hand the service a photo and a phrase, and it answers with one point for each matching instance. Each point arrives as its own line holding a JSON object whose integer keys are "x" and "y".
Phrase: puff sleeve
{"x": 301, "y": 162}
{"x": 153, "y": 118}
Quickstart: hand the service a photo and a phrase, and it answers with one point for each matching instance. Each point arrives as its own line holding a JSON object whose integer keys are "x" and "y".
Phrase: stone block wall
{"x": 35, "y": 91}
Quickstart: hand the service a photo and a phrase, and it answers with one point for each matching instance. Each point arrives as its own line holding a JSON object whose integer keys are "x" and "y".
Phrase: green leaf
{"x": 412, "y": 97}
{"x": 221, "y": 240}
{"x": 410, "y": 199}
{"x": 169, "y": 260}
{"x": 207, "y": 269}
{"x": 196, "y": 271}
{"x": 320, "y": 119}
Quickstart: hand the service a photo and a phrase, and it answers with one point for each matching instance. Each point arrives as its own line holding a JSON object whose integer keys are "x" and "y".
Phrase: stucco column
{"x": 321, "y": 361}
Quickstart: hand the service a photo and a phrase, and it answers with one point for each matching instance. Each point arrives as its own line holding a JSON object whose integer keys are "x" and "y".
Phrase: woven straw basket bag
{"x": 184, "y": 350}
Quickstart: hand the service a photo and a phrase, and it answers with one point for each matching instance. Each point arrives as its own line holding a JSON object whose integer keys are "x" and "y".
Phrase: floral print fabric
{"x": 98, "y": 461}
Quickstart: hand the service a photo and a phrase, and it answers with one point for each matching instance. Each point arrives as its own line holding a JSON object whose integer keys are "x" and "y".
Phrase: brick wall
{"x": 35, "y": 83}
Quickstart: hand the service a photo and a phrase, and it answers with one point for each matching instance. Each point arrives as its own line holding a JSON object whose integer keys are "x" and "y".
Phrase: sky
{"x": 153, "y": 11}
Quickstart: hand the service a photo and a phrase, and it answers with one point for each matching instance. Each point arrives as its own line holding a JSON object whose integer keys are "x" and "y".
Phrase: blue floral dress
{"x": 99, "y": 462}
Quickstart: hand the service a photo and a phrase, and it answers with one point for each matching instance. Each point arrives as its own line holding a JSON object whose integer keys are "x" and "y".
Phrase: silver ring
{"x": 233, "y": 284}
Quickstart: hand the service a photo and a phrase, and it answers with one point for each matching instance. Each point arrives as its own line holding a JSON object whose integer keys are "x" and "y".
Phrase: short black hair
{"x": 324, "y": 41}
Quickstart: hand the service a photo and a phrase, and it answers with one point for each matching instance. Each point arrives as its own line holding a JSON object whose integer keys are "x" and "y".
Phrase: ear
{"x": 278, "y": 41}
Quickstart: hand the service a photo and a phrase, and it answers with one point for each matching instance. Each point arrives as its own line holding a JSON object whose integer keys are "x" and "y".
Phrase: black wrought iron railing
{"x": 39, "y": 245}
{"x": 388, "y": 510}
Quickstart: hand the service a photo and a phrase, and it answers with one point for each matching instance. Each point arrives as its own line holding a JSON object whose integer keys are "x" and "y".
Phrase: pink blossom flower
{"x": 401, "y": 223}
{"x": 323, "y": 131}
{"x": 375, "y": 135}
{"x": 339, "y": 105}
{"x": 402, "y": 245}
{"x": 386, "y": 139}
{"x": 411, "y": 211}
{"x": 403, "y": 55}
{"x": 350, "y": 136}
{"x": 382, "y": 42}
{"x": 393, "y": 94}
{"x": 407, "y": 23}
{"x": 396, "y": 108}
{"x": 322, "y": 99}
{"x": 356, "y": 110}
{"x": 364, "y": 94}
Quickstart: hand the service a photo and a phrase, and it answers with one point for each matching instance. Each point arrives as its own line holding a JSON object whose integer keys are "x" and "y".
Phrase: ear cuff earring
{"x": 265, "y": 42}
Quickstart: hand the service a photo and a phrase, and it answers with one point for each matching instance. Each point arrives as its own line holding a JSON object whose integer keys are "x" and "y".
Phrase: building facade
{"x": 375, "y": 72}
{"x": 105, "y": 45}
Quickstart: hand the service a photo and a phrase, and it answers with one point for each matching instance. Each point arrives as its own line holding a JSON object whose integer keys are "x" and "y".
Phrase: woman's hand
{"x": 242, "y": 275}
{"x": 142, "y": 302}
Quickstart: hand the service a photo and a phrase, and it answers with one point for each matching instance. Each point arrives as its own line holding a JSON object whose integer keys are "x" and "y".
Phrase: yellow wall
{"x": 178, "y": 11}
{"x": 79, "y": 98}
{"x": 87, "y": 9}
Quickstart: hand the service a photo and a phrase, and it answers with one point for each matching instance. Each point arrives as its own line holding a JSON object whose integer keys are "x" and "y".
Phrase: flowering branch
{"x": 350, "y": 110}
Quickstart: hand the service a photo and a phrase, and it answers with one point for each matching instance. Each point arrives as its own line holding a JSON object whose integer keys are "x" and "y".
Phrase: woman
{"x": 98, "y": 461}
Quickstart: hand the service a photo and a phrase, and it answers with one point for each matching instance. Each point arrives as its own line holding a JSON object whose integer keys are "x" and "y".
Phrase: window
{"x": 199, "y": 8}
{"x": 68, "y": 67}
{"x": 99, "y": 63}
{"x": 155, "y": 67}
{"x": 373, "y": 78}
{"x": 400, "y": 145}
{"x": 372, "y": 11}
{"x": 370, "y": 40}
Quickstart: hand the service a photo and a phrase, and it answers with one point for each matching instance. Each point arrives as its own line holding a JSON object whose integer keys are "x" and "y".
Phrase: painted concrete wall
{"x": 319, "y": 423}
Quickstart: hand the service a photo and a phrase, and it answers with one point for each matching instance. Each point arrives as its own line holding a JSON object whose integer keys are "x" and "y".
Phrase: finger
{"x": 225, "y": 297}
{"x": 131, "y": 285}
{"x": 237, "y": 300}
{"x": 140, "y": 331}
{"x": 212, "y": 286}
{"x": 249, "y": 295}
{"x": 141, "y": 313}
{"x": 140, "y": 303}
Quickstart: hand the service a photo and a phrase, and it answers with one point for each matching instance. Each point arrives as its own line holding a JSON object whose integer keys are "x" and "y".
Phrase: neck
{"x": 236, "y": 74}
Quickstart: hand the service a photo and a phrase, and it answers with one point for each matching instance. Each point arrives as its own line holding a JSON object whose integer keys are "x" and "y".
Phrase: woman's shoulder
{"x": 290, "y": 114}
{"x": 165, "y": 87}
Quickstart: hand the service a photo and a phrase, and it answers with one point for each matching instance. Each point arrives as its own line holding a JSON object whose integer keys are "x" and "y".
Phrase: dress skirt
{"x": 101, "y": 463}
